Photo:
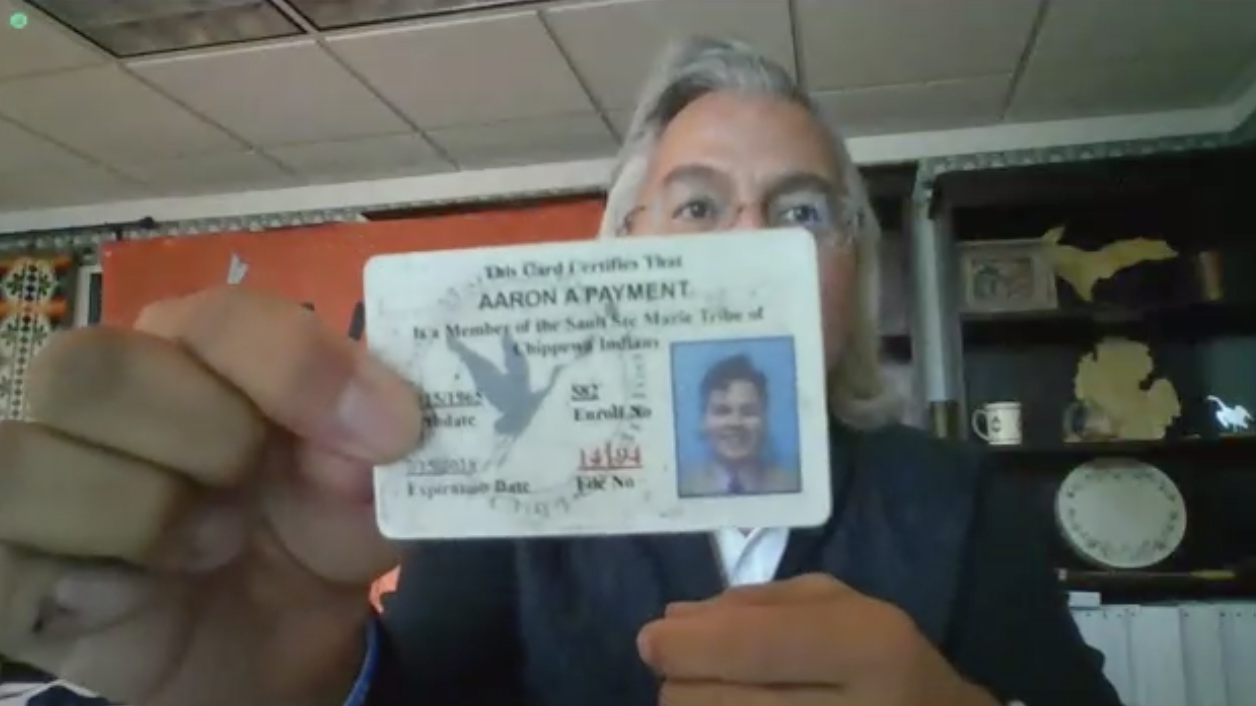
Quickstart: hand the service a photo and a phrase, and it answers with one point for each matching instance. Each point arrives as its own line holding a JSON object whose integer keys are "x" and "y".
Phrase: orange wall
{"x": 319, "y": 265}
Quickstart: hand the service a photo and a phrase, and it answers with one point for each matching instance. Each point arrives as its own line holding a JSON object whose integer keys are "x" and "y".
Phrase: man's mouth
{"x": 736, "y": 441}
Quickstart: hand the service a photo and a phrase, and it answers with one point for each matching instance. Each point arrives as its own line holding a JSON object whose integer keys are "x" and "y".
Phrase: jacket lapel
{"x": 687, "y": 567}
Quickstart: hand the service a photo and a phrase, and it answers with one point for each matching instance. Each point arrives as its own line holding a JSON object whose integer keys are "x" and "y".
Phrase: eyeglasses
{"x": 703, "y": 201}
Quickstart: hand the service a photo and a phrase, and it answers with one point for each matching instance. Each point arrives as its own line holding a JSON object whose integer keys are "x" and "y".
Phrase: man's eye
{"x": 804, "y": 214}
{"x": 695, "y": 210}
{"x": 808, "y": 210}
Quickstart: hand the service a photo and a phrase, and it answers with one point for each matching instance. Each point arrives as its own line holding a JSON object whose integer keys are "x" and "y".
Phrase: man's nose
{"x": 748, "y": 218}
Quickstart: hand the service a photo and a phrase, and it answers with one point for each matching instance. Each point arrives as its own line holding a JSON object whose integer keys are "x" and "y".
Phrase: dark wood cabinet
{"x": 1196, "y": 313}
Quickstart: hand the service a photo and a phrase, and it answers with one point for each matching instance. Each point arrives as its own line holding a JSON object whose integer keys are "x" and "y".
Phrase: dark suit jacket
{"x": 917, "y": 522}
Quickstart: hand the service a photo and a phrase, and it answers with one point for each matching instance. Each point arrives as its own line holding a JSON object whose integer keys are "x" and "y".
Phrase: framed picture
{"x": 1005, "y": 276}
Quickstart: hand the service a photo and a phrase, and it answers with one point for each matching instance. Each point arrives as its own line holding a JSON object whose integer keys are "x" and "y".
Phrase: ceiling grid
{"x": 344, "y": 95}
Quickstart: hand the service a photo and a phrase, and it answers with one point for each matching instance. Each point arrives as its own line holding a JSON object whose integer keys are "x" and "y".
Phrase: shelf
{"x": 1137, "y": 587}
{"x": 1187, "y": 321}
{"x": 1190, "y": 445}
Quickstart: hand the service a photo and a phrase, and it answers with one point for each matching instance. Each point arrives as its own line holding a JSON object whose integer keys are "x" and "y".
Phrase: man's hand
{"x": 187, "y": 520}
{"x": 810, "y": 641}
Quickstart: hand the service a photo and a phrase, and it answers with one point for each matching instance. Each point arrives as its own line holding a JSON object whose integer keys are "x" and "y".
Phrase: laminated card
{"x": 632, "y": 385}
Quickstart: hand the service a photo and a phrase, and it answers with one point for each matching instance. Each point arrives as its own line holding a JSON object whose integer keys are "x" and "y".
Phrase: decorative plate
{"x": 1120, "y": 513}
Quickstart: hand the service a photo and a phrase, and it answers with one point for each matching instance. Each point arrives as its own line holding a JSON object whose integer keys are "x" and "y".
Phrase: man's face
{"x": 733, "y": 423}
{"x": 771, "y": 164}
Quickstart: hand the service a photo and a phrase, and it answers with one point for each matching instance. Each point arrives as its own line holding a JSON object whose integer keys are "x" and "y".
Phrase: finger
{"x": 675, "y": 693}
{"x": 63, "y": 497}
{"x": 146, "y": 398}
{"x": 25, "y": 585}
{"x": 809, "y": 587}
{"x": 303, "y": 376}
{"x": 45, "y": 598}
{"x": 802, "y": 643}
{"x": 69, "y": 619}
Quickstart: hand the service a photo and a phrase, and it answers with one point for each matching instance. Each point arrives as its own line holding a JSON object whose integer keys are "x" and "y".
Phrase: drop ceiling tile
{"x": 237, "y": 171}
{"x": 274, "y": 95}
{"x": 466, "y": 72}
{"x": 64, "y": 187}
{"x": 536, "y": 140}
{"x": 42, "y": 45}
{"x": 861, "y": 43}
{"x": 941, "y": 105}
{"x": 372, "y": 158}
{"x": 613, "y": 45}
{"x": 620, "y": 121}
{"x": 106, "y": 114}
{"x": 1049, "y": 90}
{"x": 1074, "y": 30}
{"x": 21, "y": 150}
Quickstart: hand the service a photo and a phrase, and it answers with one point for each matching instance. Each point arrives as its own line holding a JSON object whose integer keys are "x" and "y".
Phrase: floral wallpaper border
{"x": 35, "y": 300}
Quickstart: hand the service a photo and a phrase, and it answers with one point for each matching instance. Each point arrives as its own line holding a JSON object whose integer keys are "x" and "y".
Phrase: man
{"x": 734, "y": 398}
{"x": 229, "y": 492}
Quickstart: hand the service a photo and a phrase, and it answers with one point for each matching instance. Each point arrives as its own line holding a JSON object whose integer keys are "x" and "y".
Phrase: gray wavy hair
{"x": 859, "y": 393}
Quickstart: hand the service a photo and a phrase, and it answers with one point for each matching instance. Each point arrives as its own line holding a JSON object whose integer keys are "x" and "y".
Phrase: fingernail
{"x": 644, "y": 648}
{"x": 380, "y": 411}
{"x": 93, "y": 598}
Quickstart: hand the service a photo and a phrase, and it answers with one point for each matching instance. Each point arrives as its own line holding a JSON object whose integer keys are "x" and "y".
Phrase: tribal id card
{"x": 634, "y": 385}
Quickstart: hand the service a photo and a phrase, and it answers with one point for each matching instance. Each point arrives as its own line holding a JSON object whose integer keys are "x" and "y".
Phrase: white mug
{"x": 999, "y": 423}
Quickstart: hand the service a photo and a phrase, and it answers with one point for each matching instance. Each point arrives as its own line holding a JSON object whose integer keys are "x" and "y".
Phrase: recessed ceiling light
{"x": 133, "y": 27}
{"x": 333, "y": 14}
